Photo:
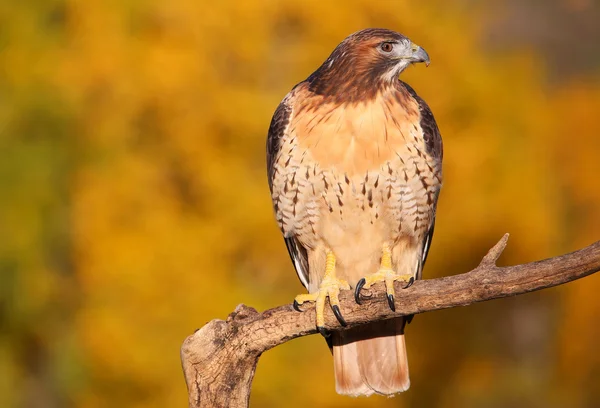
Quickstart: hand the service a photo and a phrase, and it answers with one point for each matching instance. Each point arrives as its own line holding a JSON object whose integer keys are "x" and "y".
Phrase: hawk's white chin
{"x": 393, "y": 74}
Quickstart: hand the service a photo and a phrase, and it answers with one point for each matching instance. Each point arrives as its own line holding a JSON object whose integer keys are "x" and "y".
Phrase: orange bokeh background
{"x": 134, "y": 204}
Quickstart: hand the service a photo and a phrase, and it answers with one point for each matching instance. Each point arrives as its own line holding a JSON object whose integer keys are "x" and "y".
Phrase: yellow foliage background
{"x": 134, "y": 205}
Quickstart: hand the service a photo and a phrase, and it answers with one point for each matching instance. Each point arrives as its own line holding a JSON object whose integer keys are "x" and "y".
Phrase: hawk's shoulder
{"x": 277, "y": 130}
{"x": 431, "y": 132}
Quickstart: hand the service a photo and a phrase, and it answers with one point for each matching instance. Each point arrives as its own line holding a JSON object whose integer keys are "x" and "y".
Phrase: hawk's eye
{"x": 387, "y": 47}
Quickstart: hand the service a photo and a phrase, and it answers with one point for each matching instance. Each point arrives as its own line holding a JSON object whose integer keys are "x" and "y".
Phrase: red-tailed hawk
{"x": 354, "y": 162}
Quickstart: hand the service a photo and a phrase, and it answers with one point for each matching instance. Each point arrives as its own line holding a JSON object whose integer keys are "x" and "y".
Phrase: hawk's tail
{"x": 371, "y": 359}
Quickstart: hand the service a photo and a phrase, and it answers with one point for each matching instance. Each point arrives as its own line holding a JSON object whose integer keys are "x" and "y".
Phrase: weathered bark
{"x": 219, "y": 360}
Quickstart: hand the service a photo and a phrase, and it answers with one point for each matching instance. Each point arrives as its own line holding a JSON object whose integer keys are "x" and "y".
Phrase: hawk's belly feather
{"x": 353, "y": 179}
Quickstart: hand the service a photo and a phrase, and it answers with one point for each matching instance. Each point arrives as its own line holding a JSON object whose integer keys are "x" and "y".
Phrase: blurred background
{"x": 134, "y": 204}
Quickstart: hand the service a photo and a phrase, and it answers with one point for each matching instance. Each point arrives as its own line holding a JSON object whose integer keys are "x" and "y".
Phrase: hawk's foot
{"x": 329, "y": 288}
{"x": 385, "y": 274}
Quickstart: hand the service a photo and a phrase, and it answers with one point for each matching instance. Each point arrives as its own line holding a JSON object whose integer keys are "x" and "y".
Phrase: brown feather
{"x": 355, "y": 137}
{"x": 354, "y": 71}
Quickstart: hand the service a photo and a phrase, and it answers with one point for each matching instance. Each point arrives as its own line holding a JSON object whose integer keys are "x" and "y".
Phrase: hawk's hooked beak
{"x": 419, "y": 55}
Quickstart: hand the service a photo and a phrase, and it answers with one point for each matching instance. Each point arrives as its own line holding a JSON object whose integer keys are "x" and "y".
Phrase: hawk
{"x": 354, "y": 160}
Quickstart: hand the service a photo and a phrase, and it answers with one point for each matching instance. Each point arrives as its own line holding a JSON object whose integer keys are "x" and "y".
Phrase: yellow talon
{"x": 385, "y": 274}
{"x": 329, "y": 288}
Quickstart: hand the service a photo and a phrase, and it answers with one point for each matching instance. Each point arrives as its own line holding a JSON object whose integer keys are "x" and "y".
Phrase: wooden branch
{"x": 219, "y": 359}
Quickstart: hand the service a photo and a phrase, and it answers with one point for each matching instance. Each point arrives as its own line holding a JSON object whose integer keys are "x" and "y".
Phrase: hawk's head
{"x": 365, "y": 62}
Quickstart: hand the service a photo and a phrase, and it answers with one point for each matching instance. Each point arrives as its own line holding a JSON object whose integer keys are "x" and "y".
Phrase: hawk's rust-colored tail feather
{"x": 371, "y": 359}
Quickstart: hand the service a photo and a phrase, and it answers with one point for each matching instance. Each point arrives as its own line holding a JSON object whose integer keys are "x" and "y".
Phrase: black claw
{"x": 338, "y": 315}
{"x": 410, "y": 283}
{"x": 391, "y": 303}
{"x": 357, "y": 290}
{"x": 324, "y": 332}
{"x": 296, "y": 306}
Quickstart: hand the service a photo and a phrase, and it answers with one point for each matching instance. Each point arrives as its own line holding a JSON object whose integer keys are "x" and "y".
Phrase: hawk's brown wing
{"x": 277, "y": 130}
{"x": 434, "y": 146}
